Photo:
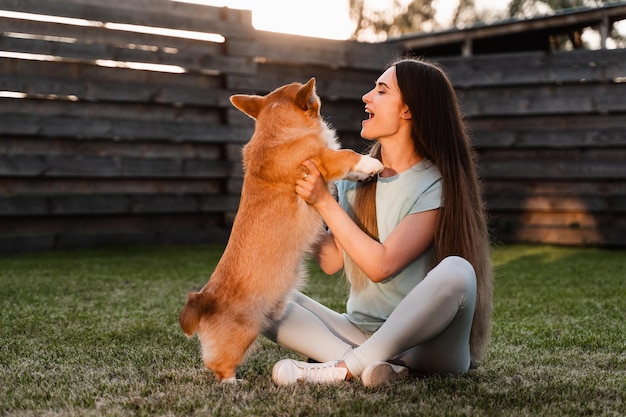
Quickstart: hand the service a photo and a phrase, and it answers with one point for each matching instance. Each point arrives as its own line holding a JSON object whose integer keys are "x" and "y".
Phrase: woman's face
{"x": 387, "y": 114}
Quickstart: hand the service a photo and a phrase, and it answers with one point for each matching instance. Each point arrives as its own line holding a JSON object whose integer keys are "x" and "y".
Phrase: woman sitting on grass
{"x": 413, "y": 244}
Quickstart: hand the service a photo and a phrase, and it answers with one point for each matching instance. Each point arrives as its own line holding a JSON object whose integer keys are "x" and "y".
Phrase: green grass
{"x": 95, "y": 332}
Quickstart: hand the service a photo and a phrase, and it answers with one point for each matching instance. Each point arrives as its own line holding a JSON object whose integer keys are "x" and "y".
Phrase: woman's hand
{"x": 311, "y": 187}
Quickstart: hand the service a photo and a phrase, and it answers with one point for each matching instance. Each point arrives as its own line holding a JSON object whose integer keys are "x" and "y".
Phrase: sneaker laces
{"x": 320, "y": 373}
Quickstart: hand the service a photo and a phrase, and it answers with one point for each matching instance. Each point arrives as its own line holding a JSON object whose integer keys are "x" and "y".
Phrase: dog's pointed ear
{"x": 306, "y": 98}
{"x": 249, "y": 104}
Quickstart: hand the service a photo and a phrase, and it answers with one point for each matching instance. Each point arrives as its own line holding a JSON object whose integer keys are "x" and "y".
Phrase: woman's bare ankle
{"x": 342, "y": 364}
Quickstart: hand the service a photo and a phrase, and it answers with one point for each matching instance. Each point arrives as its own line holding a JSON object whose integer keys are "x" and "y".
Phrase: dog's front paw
{"x": 366, "y": 168}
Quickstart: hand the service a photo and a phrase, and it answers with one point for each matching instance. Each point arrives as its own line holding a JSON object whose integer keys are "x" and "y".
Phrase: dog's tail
{"x": 194, "y": 309}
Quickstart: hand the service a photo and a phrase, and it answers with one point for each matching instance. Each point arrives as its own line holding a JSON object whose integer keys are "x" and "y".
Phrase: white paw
{"x": 366, "y": 168}
{"x": 232, "y": 380}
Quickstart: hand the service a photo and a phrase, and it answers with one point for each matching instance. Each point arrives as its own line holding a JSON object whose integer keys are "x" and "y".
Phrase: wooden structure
{"x": 113, "y": 134}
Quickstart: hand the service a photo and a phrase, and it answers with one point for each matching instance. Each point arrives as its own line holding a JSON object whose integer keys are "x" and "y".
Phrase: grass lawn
{"x": 95, "y": 333}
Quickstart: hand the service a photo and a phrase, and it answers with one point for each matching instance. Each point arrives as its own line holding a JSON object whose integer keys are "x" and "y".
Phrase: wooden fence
{"x": 111, "y": 134}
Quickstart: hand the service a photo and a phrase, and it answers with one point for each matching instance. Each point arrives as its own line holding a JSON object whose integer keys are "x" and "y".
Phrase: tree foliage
{"x": 530, "y": 8}
{"x": 404, "y": 17}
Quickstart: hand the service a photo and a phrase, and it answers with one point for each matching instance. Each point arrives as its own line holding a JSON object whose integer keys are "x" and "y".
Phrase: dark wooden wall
{"x": 551, "y": 134}
{"x": 94, "y": 151}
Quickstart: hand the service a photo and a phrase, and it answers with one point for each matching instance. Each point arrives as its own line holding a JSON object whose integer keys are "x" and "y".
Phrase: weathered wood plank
{"x": 332, "y": 84}
{"x": 551, "y": 170}
{"x": 544, "y": 100}
{"x": 67, "y": 186}
{"x": 119, "y": 129}
{"x": 604, "y": 237}
{"x": 128, "y": 55}
{"x": 276, "y": 48}
{"x": 228, "y": 22}
{"x": 555, "y": 188}
{"x": 565, "y": 219}
{"x": 556, "y": 203}
{"x": 574, "y": 139}
{"x": 59, "y": 166}
{"x": 162, "y": 6}
{"x": 74, "y": 240}
{"x": 113, "y": 148}
{"x": 115, "y": 204}
{"x": 31, "y": 29}
{"x": 75, "y": 81}
{"x": 534, "y": 68}
{"x": 80, "y": 225}
{"x": 551, "y": 123}
{"x": 49, "y": 118}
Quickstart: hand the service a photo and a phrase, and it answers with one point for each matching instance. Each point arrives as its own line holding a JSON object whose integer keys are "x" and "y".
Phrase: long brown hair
{"x": 440, "y": 135}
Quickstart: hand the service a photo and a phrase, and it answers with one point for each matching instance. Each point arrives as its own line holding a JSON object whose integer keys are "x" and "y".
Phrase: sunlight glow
{"x": 324, "y": 18}
{"x": 187, "y": 34}
{"x": 140, "y": 66}
{"x": 49, "y": 19}
{"x": 31, "y": 57}
{"x": 12, "y": 94}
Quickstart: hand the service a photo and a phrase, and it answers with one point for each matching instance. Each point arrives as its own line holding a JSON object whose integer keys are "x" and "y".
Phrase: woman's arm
{"x": 328, "y": 254}
{"x": 379, "y": 260}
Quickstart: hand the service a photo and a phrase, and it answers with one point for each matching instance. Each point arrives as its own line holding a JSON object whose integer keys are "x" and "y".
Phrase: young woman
{"x": 413, "y": 244}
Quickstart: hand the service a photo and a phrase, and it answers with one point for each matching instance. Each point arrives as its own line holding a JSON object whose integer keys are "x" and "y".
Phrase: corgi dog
{"x": 273, "y": 230}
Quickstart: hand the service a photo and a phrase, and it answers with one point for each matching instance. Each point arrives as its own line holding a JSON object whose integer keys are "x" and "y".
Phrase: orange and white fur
{"x": 273, "y": 230}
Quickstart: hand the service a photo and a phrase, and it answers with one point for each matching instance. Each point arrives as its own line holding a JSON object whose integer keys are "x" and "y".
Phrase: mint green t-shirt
{"x": 412, "y": 191}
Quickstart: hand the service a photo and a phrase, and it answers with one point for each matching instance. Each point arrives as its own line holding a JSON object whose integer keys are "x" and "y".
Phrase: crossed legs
{"x": 427, "y": 332}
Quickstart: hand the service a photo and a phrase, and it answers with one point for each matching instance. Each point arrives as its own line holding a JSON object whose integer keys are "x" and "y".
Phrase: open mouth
{"x": 370, "y": 115}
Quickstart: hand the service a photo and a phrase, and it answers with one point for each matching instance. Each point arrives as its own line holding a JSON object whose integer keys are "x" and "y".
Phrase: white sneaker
{"x": 383, "y": 372}
{"x": 289, "y": 371}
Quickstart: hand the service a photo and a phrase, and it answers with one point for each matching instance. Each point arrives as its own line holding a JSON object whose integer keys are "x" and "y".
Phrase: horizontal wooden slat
{"x": 114, "y": 204}
{"x": 605, "y": 237}
{"x": 549, "y": 203}
{"x": 24, "y": 145}
{"x": 605, "y": 187}
{"x": 276, "y": 48}
{"x": 62, "y": 241}
{"x": 545, "y": 100}
{"x": 555, "y": 154}
{"x": 123, "y": 54}
{"x": 157, "y": 42}
{"x": 98, "y": 83}
{"x": 532, "y": 68}
{"x": 110, "y": 167}
{"x": 550, "y": 123}
{"x": 118, "y": 129}
{"x": 158, "y": 6}
{"x": 141, "y": 111}
{"x": 331, "y": 83}
{"x": 50, "y": 118}
{"x": 551, "y": 170}
{"x": 76, "y": 225}
{"x": 224, "y": 21}
{"x": 77, "y": 186}
{"x": 547, "y": 139}
{"x": 553, "y": 219}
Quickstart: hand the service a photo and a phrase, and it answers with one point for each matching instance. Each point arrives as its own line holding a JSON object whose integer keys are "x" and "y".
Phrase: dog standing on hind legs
{"x": 274, "y": 229}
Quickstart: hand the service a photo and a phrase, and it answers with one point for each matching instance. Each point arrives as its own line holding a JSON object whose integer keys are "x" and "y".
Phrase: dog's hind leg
{"x": 224, "y": 354}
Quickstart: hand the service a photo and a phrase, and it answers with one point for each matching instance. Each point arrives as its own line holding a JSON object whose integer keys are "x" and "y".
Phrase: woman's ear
{"x": 406, "y": 113}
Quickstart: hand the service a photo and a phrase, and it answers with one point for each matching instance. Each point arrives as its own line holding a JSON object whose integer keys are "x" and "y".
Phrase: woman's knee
{"x": 458, "y": 273}
{"x": 458, "y": 266}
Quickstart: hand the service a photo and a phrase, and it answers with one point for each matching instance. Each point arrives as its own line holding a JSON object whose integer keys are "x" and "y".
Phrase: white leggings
{"x": 428, "y": 331}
